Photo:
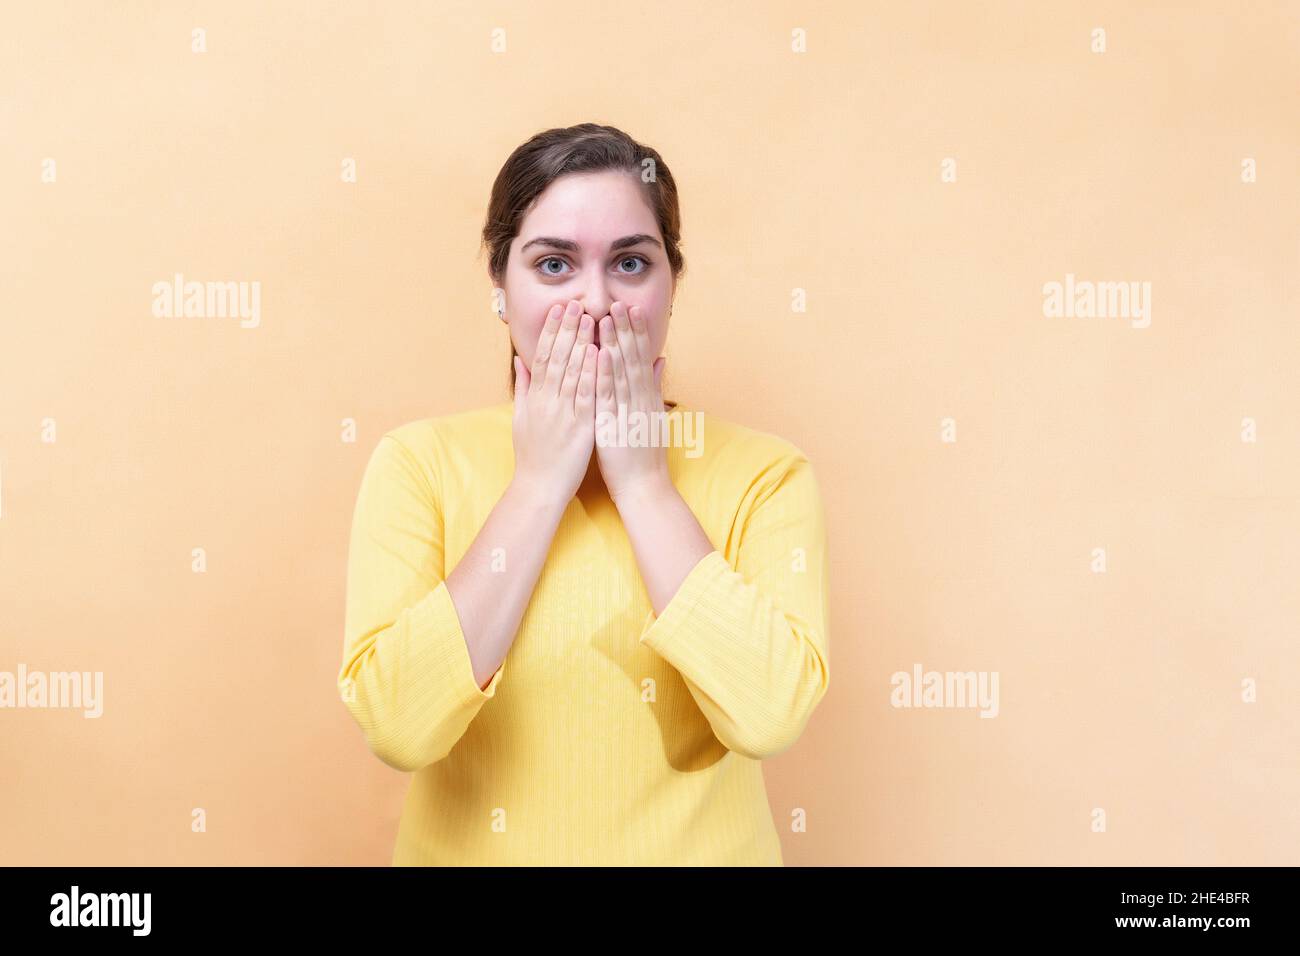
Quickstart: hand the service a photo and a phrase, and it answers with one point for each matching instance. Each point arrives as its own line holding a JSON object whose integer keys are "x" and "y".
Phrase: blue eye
{"x": 551, "y": 259}
{"x": 541, "y": 265}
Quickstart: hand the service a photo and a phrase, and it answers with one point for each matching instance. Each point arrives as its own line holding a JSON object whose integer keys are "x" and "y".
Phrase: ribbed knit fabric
{"x": 608, "y": 736}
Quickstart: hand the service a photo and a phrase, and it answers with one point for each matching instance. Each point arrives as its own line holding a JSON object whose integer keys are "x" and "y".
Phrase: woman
{"x": 584, "y": 645}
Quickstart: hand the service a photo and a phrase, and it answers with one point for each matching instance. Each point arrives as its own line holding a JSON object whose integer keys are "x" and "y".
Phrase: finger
{"x": 609, "y": 347}
{"x": 614, "y": 362}
{"x": 659, "y": 373}
{"x": 584, "y": 402}
{"x": 563, "y": 350}
{"x": 622, "y": 391}
{"x": 573, "y": 371}
{"x": 641, "y": 333}
{"x": 605, "y": 380}
{"x": 545, "y": 345}
{"x": 586, "y": 331}
{"x": 632, "y": 371}
{"x": 606, "y": 400}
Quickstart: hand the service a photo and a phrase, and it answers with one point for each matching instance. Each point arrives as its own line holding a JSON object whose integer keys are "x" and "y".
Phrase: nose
{"x": 595, "y": 297}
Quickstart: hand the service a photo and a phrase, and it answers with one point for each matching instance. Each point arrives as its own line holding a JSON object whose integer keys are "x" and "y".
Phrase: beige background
{"x": 817, "y": 171}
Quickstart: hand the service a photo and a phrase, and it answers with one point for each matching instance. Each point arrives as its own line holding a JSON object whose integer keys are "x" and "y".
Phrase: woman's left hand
{"x": 627, "y": 389}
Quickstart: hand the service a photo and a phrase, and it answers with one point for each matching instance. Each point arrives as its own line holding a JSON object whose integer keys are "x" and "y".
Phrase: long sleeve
{"x": 406, "y": 676}
{"x": 750, "y": 640}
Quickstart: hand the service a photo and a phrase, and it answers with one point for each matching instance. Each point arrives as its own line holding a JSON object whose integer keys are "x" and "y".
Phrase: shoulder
{"x": 426, "y": 438}
{"x": 428, "y": 446}
{"x": 747, "y": 461}
{"x": 746, "y": 448}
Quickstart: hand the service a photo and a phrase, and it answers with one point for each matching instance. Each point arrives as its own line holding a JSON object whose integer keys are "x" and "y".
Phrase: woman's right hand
{"x": 554, "y": 429}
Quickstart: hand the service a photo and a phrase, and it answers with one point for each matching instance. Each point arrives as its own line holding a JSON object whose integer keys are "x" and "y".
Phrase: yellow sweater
{"x": 608, "y": 736}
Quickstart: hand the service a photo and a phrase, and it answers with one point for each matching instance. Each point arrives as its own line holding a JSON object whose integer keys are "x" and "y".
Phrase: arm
{"x": 422, "y": 654}
{"x": 747, "y": 632}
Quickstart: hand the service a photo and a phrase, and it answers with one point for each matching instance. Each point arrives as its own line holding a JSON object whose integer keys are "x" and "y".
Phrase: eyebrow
{"x": 568, "y": 245}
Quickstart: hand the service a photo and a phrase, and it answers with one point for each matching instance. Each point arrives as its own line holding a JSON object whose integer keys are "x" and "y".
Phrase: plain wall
{"x": 818, "y": 171}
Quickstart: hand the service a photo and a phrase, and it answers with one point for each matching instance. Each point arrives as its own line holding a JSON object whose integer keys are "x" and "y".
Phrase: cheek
{"x": 655, "y": 310}
{"x": 659, "y": 337}
{"x": 526, "y": 330}
{"x": 525, "y": 335}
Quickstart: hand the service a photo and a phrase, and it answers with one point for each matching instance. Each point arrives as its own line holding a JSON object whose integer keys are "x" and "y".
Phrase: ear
{"x": 498, "y": 297}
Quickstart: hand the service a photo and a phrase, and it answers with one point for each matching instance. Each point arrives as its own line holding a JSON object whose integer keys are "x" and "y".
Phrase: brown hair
{"x": 587, "y": 147}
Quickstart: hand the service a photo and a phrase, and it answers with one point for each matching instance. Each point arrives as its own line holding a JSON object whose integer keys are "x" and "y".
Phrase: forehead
{"x": 592, "y": 209}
